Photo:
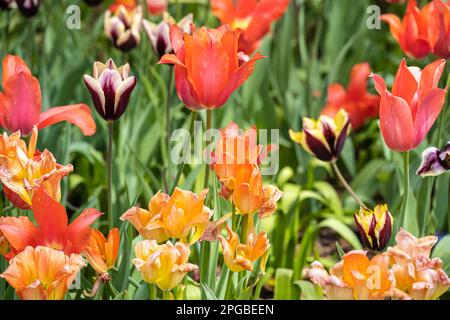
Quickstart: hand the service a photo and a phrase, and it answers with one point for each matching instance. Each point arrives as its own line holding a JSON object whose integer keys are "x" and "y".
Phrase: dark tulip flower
{"x": 28, "y": 8}
{"x": 434, "y": 161}
{"x": 110, "y": 88}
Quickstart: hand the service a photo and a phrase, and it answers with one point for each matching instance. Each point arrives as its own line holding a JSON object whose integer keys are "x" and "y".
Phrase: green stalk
{"x": 244, "y": 228}
{"x": 151, "y": 292}
{"x": 229, "y": 289}
{"x": 208, "y": 126}
{"x": 110, "y": 173}
{"x": 166, "y": 295}
{"x": 168, "y": 129}
{"x": 181, "y": 166}
{"x": 347, "y": 185}
{"x": 405, "y": 190}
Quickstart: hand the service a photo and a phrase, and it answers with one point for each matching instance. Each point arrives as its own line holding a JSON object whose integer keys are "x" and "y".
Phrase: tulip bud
{"x": 28, "y": 8}
{"x": 324, "y": 138}
{"x": 93, "y": 3}
{"x": 434, "y": 161}
{"x": 123, "y": 27}
{"x": 110, "y": 88}
{"x": 159, "y": 34}
{"x": 375, "y": 226}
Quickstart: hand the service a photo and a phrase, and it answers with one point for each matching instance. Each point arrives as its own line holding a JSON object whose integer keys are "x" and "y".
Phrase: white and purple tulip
{"x": 434, "y": 161}
{"x": 123, "y": 27}
{"x": 110, "y": 89}
{"x": 28, "y": 8}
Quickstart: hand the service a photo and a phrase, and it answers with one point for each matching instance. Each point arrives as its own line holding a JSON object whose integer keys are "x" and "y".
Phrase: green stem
{"x": 166, "y": 295}
{"x": 229, "y": 289}
{"x": 208, "y": 126}
{"x": 181, "y": 166}
{"x": 113, "y": 290}
{"x": 110, "y": 173}
{"x": 405, "y": 190}
{"x": 347, "y": 185}
{"x": 168, "y": 125}
{"x": 152, "y": 292}
{"x": 244, "y": 228}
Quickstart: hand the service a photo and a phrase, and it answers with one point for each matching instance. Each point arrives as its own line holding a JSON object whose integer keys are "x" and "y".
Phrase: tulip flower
{"x": 110, "y": 88}
{"x": 28, "y": 8}
{"x": 102, "y": 253}
{"x": 20, "y": 103}
{"x": 128, "y": 4}
{"x": 324, "y": 138}
{"x": 23, "y": 169}
{"x": 355, "y": 277}
{"x": 123, "y": 26}
{"x": 42, "y": 273}
{"x": 422, "y": 31}
{"x": 254, "y": 18}
{"x": 159, "y": 33}
{"x": 6, "y": 4}
{"x": 181, "y": 216}
{"x": 52, "y": 228}
{"x": 164, "y": 265}
{"x": 359, "y": 104}
{"x": 157, "y": 7}
{"x": 409, "y": 112}
{"x": 208, "y": 68}
{"x": 239, "y": 257}
{"x": 434, "y": 161}
{"x": 375, "y": 226}
{"x": 4, "y": 245}
{"x": 417, "y": 276}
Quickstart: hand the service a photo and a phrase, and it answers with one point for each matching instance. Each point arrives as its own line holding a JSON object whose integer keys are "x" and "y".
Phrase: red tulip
{"x": 20, "y": 103}
{"x": 409, "y": 112}
{"x": 53, "y": 229}
{"x": 157, "y": 7}
{"x": 208, "y": 67}
{"x": 253, "y": 17}
{"x": 359, "y": 104}
{"x": 422, "y": 31}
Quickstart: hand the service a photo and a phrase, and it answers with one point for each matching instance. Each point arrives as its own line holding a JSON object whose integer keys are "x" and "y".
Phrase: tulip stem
{"x": 229, "y": 289}
{"x": 166, "y": 295}
{"x": 182, "y": 164}
{"x": 347, "y": 185}
{"x": 109, "y": 163}
{"x": 151, "y": 292}
{"x": 405, "y": 190}
{"x": 208, "y": 126}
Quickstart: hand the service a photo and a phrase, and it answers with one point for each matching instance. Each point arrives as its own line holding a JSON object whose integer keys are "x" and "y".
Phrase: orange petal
{"x": 20, "y": 232}
{"x": 12, "y": 65}
{"x": 79, "y": 231}
{"x": 77, "y": 114}
{"x": 357, "y": 88}
{"x": 354, "y": 261}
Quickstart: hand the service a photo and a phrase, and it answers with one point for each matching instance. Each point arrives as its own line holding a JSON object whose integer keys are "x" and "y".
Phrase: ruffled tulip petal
{"x": 77, "y": 114}
{"x": 19, "y": 231}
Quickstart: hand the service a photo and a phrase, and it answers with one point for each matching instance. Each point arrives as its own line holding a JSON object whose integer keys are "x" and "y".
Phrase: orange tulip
{"x": 102, "y": 253}
{"x": 20, "y": 103}
{"x": 182, "y": 216}
{"x": 4, "y": 245}
{"x": 422, "y": 31}
{"x": 24, "y": 169}
{"x": 359, "y": 104}
{"x": 208, "y": 68}
{"x": 53, "y": 229}
{"x": 253, "y": 17}
{"x": 239, "y": 257}
{"x": 128, "y": 4}
{"x": 409, "y": 112}
{"x": 355, "y": 277}
{"x": 417, "y": 276}
{"x": 42, "y": 273}
{"x": 164, "y": 265}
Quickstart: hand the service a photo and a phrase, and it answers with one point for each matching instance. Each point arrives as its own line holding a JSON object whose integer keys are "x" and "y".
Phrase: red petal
{"x": 13, "y": 65}
{"x": 77, "y": 114}
{"x": 380, "y": 84}
{"x": 185, "y": 90}
{"x": 357, "y": 88}
{"x": 51, "y": 218}
{"x": 20, "y": 232}
{"x": 431, "y": 75}
{"x": 405, "y": 84}
{"x": 336, "y": 94}
{"x": 79, "y": 231}
{"x": 396, "y": 123}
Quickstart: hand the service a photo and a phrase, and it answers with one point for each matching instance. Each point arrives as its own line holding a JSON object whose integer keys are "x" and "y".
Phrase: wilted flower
{"x": 53, "y": 229}
{"x": 254, "y": 18}
{"x": 42, "y": 273}
{"x": 24, "y": 169}
{"x": 359, "y": 104}
{"x": 28, "y": 8}
{"x": 324, "y": 138}
{"x": 123, "y": 27}
{"x": 208, "y": 68}
{"x": 409, "y": 112}
{"x": 164, "y": 265}
{"x": 159, "y": 34}
{"x": 110, "y": 88}
{"x": 375, "y": 226}
{"x": 434, "y": 161}
{"x": 417, "y": 276}
{"x": 21, "y": 103}
{"x": 157, "y": 7}
{"x": 355, "y": 277}
{"x": 239, "y": 257}
{"x": 101, "y": 252}
{"x": 181, "y": 216}
{"x": 422, "y": 31}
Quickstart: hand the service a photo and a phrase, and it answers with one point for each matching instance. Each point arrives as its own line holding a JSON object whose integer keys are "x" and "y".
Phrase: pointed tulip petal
{"x": 79, "y": 231}
{"x": 20, "y": 232}
{"x": 77, "y": 114}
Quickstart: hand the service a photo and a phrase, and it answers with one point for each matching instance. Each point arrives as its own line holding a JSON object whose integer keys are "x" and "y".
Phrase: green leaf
{"x": 308, "y": 291}
{"x": 210, "y": 295}
{"x": 283, "y": 284}
{"x": 343, "y": 230}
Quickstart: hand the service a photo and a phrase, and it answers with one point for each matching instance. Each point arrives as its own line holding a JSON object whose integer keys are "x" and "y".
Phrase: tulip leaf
{"x": 283, "y": 284}
{"x": 210, "y": 295}
{"x": 343, "y": 230}
{"x": 308, "y": 291}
